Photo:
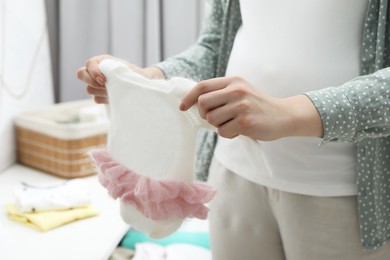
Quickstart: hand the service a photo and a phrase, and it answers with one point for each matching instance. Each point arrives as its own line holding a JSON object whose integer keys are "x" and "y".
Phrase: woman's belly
{"x": 286, "y": 48}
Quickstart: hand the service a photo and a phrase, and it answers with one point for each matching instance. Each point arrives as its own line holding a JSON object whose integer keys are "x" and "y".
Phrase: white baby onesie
{"x": 151, "y": 151}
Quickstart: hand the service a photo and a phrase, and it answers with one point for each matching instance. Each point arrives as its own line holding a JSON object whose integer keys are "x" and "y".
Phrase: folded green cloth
{"x": 193, "y": 238}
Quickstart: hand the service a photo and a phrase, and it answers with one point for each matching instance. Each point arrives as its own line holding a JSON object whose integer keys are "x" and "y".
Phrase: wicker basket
{"x": 56, "y": 139}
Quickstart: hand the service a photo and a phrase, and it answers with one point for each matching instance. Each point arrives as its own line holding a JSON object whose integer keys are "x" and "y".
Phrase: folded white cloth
{"x": 149, "y": 251}
{"x": 65, "y": 195}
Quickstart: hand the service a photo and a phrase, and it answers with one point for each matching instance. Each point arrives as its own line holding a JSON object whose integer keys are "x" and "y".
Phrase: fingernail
{"x": 100, "y": 80}
{"x": 182, "y": 107}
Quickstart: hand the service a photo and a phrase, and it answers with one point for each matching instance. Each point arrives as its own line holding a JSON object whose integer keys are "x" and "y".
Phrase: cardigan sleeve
{"x": 356, "y": 110}
{"x": 199, "y": 62}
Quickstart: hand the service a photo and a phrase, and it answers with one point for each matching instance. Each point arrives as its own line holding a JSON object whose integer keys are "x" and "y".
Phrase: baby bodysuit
{"x": 149, "y": 163}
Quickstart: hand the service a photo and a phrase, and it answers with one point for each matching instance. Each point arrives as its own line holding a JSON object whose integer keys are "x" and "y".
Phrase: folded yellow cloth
{"x": 46, "y": 220}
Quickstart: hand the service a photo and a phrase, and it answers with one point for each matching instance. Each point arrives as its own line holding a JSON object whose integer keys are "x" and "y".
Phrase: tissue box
{"x": 56, "y": 139}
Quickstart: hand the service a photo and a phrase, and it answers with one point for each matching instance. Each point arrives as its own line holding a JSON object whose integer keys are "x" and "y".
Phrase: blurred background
{"x": 48, "y": 123}
{"x": 44, "y": 42}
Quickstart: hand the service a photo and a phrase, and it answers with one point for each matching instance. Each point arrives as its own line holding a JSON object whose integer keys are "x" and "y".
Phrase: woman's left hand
{"x": 236, "y": 107}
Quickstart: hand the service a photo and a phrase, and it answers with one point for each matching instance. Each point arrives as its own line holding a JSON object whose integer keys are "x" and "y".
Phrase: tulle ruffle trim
{"x": 156, "y": 199}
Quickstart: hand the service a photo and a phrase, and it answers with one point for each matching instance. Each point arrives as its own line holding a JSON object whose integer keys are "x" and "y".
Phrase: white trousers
{"x": 252, "y": 222}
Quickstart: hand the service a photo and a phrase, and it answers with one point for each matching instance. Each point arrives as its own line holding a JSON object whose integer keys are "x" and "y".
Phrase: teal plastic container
{"x": 193, "y": 238}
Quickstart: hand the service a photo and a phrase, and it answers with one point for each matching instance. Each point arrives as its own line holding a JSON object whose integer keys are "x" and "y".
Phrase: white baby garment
{"x": 151, "y": 151}
{"x": 65, "y": 195}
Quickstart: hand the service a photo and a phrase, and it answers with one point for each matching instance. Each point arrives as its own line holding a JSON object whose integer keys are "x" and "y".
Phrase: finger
{"x": 201, "y": 88}
{"x": 83, "y": 75}
{"x": 220, "y": 115}
{"x": 229, "y": 129}
{"x": 101, "y": 100}
{"x": 210, "y": 101}
{"x": 92, "y": 66}
{"x": 101, "y": 92}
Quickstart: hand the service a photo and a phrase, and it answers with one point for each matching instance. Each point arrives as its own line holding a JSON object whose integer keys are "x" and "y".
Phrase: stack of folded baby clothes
{"x": 45, "y": 208}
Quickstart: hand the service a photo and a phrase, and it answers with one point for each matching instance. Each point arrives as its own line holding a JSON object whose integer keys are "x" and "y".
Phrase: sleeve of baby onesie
{"x": 356, "y": 110}
{"x": 200, "y": 60}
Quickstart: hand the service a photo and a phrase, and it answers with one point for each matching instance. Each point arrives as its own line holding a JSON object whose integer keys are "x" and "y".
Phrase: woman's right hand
{"x": 96, "y": 82}
{"x": 94, "y": 79}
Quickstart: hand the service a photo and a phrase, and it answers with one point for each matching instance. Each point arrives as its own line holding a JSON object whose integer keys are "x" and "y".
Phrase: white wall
{"x": 25, "y": 73}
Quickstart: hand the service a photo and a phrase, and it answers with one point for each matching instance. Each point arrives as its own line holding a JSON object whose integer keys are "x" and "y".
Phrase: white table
{"x": 88, "y": 239}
